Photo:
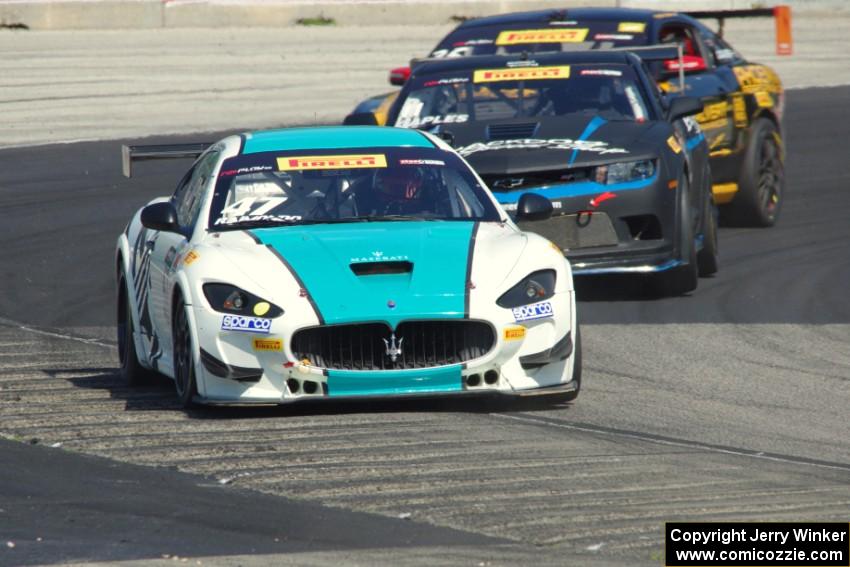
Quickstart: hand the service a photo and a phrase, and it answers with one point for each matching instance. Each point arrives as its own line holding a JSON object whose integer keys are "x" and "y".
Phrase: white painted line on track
{"x": 43, "y": 332}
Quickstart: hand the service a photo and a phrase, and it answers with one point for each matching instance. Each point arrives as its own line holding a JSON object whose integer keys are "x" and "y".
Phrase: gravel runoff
{"x": 87, "y": 85}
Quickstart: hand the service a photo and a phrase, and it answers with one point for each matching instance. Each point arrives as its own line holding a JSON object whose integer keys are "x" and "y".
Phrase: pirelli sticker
{"x": 631, "y": 27}
{"x": 674, "y": 144}
{"x": 514, "y": 333}
{"x": 521, "y": 74}
{"x": 268, "y": 345}
{"x": 519, "y": 37}
{"x": 354, "y": 161}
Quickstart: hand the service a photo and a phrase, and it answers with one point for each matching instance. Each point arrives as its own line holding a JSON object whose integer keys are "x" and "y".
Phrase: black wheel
{"x": 132, "y": 373}
{"x": 570, "y": 396}
{"x": 184, "y": 362}
{"x": 762, "y": 183}
{"x": 682, "y": 279}
{"x": 707, "y": 257}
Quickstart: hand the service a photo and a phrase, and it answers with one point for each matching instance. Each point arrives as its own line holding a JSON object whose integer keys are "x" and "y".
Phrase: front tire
{"x": 682, "y": 279}
{"x": 707, "y": 257}
{"x": 184, "y": 358}
{"x": 762, "y": 184}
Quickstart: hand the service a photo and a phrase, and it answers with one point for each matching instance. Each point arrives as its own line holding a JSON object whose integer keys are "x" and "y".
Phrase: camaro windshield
{"x": 529, "y": 37}
{"x": 349, "y": 185}
{"x": 610, "y": 91}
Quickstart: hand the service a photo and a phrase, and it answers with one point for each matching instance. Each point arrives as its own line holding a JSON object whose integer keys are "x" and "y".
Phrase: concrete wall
{"x": 147, "y": 14}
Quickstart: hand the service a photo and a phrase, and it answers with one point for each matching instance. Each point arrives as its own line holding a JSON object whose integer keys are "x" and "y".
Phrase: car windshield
{"x": 530, "y": 37}
{"x": 610, "y": 91}
{"x": 347, "y": 185}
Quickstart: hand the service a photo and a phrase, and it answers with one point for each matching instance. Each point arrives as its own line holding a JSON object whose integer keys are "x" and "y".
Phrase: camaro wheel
{"x": 707, "y": 257}
{"x": 131, "y": 371}
{"x": 184, "y": 364}
{"x": 685, "y": 278}
{"x": 762, "y": 183}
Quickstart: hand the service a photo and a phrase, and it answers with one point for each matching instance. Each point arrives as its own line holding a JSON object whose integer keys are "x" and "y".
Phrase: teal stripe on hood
{"x": 321, "y": 255}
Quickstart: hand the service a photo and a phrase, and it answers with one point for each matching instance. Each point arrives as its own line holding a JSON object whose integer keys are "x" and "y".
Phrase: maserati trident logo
{"x": 393, "y": 348}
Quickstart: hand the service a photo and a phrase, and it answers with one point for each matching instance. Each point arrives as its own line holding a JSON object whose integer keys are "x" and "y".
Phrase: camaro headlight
{"x": 533, "y": 288}
{"x": 625, "y": 171}
{"x": 227, "y": 298}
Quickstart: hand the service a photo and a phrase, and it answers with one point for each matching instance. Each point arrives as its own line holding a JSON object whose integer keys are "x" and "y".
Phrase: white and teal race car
{"x": 329, "y": 263}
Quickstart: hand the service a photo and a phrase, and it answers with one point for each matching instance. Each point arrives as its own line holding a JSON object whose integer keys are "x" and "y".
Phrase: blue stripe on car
{"x": 591, "y": 127}
{"x": 691, "y": 143}
{"x": 333, "y": 139}
{"x": 576, "y": 189}
{"x": 322, "y": 255}
{"x": 394, "y": 382}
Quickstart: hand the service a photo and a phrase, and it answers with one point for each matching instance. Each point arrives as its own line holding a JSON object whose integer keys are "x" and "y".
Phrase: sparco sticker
{"x": 245, "y": 324}
{"x": 532, "y": 144}
{"x": 536, "y": 311}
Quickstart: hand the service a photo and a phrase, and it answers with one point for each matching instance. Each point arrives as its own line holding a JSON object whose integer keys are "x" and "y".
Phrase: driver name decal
{"x": 304, "y": 163}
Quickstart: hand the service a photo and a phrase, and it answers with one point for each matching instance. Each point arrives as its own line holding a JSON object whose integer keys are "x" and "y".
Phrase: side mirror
{"x": 683, "y": 106}
{"x": 690, "y": 64}
{"x": 160, "y": 216}
{"x": 399, "y": 76}
{"x": 533, "y": 207}
{"x": 360, "y": 119}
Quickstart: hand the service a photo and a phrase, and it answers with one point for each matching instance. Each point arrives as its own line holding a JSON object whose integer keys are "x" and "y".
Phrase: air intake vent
{"x": 376, "y": 268}
{"x": 511, "y": 131}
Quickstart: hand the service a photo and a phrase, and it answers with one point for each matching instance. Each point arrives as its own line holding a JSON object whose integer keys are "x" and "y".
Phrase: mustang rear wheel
{"x": 184, "y": 360}
{"x": 762, "y": 183}
{"x": 132, "y": 373}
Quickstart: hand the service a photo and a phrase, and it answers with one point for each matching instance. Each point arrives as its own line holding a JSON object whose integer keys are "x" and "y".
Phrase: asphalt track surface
{"x": 728, "y": 404}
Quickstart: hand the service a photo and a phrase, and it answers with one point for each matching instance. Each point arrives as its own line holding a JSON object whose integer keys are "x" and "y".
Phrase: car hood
{"x": 522, "y": 145}
{"x": 384, "y": 271}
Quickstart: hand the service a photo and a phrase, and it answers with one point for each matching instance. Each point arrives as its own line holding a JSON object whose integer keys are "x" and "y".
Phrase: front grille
{"x": 499, "y": 183}
{"x": 511, "y": 131}
{"x": 424, "y": 344}
{"x": 575, "y": 231}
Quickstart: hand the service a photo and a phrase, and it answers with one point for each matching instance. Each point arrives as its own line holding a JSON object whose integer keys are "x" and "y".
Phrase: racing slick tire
{"x": 762, "y": 184}
{"x": 571, "y": 396}
{"x": 707, "y": 256}
{"x": 184, "y": 359}
{"x": 682, "y": 279}
{"x": 132, "y": 373}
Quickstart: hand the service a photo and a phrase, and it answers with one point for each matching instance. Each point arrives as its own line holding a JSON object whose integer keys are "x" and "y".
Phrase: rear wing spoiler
{"x": 652, "y": 52}
{"x": 780, "y": 14}
{"x": 129, "y": 154}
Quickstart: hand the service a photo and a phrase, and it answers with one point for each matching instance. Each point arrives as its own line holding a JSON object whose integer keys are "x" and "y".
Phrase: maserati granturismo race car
{"x": 329, "y": 262}
{"x": 744, "y": 101}
{"x": 629, "y": 179}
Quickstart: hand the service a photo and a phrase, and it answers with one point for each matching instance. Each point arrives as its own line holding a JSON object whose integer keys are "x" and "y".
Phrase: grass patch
{"x": 319, "y": 20}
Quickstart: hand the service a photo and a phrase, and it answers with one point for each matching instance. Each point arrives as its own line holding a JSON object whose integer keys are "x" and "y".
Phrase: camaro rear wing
{"x": 780, "y": 14}
{"x": 129, "y": 154}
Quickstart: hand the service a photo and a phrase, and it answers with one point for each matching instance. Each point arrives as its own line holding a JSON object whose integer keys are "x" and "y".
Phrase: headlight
{"x": 625, "y": 171}
{"x": 533, "y": 288}
{"x": 227, "y": 298}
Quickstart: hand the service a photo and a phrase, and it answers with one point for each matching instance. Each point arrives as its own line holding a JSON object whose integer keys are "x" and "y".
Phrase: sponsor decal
{"x": 521, "y": 74}
{"x": 739, "y": 110}
{"x": 631, "y": 27}
{"x": 601, "y": 72}
{"x": 753, "y": 78}
{"x": 663, "y": 15}
{"x": 354, "y": 161}
{"x": 516, "y": 37}
{"x": 529, "y": 63}
{"x": 613, "y": 37}
{"x": 540, "y": 310}
{"x": 599, "y": 199}
{"x": 267, "y": 345}
{"x": 245, "y": 324}
{"x": 190, "y": 258}
{"x": 242, "y": 170}
{"x": 378, "y": 256}
{"x": 514, "y": 333}
{"x": 674, "y": 145}
{"x": 414, "y": 121}
{"x": 452, "y": 81}
{"x": 713, "y": 115}
{"x": 764, "y": 100}
{"x": 601, "y": 148}
{"x": 421, "y": 162}
{"x": 254, "y": 218}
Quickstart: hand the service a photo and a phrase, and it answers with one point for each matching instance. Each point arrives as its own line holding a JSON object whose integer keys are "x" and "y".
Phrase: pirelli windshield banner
{"x": 763, "y": 544}
{"x": 305, "y": 163}
{"x": 521, "y": 74}
{"x": 519, "y": 37}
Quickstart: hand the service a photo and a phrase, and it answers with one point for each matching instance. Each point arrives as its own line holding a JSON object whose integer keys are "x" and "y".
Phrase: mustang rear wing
{"x": 780, "y": 14}
{"x": 129, "y": 154}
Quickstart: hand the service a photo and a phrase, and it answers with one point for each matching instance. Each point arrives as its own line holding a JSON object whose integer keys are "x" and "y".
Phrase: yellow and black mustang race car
{"x": 743, "y": 101}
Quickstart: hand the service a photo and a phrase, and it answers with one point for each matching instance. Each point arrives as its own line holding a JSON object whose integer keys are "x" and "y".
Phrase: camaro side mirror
{"x": 360, "y": 119}
{"x": 160, "y": 216}
{"x": 533, "y": 207}
{"x": 682, "y": 106}
{"x": 399, "y": 76}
